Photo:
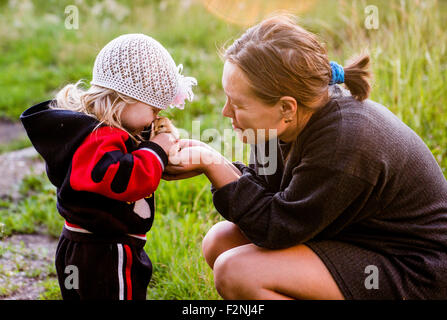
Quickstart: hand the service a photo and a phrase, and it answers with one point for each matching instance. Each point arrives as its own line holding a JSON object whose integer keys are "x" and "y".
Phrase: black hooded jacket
{"x": 100, "y": 174}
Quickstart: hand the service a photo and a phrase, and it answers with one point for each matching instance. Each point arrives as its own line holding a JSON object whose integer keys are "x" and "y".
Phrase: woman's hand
{"x": 192, "y": 158}
{"x": 178, "y": 167}
{"x": 186, "y": 143}
{"x": 168, "y": 142}
{"x": 180, "y": 176}
{"x": 198, "y": 159}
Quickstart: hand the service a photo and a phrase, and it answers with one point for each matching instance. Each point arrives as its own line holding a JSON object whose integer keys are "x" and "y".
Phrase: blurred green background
{"x": 39, "y": 55}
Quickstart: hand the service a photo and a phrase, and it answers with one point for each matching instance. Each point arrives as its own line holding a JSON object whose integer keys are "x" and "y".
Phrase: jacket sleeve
{"x": 103, "y": 165}
{"x": 315, "y": 198}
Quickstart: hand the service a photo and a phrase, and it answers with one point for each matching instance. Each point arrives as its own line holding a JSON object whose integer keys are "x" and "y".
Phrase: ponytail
{"x": 358, "y": 77}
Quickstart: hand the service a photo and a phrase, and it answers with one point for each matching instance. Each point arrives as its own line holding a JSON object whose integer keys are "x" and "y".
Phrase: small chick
{"x": 164, "y": 125}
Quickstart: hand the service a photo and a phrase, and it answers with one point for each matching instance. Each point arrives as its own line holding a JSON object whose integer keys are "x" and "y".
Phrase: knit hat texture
{"x": 138, "y": 66}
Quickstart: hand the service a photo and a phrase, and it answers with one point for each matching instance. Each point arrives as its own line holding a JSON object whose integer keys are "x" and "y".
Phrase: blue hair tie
{"x": 338, "y": 74}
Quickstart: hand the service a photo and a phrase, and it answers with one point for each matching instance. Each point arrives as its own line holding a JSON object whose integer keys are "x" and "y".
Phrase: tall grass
{"x": 38, "y": 56}
{"x": 409, "y": 62}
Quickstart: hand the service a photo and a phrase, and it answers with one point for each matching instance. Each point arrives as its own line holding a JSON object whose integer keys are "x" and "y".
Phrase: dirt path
{"x": 26, "y": 260}
{"x": 10, "y": 131}
{"x": 26, "y": 264}
{"x": 14, "y": 166}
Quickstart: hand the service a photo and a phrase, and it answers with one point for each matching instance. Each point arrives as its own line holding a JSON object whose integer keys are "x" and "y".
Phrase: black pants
{"x": 90, "y": 268}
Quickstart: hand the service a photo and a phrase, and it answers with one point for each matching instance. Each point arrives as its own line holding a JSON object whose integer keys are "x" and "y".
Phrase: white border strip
{"x": 86, "y": 231}
{"x": 154, "y": 153}
{"x": 76, "y": 229}
{"x": 137, "y": 236}
{"x": 120, "y": 271}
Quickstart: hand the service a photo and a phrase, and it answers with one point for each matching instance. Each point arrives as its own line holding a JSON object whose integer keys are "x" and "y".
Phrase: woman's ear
{"x": 288, "y": 107}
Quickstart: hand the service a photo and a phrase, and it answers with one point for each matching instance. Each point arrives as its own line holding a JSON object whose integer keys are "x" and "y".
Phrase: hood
{"x": 56, "y": 134}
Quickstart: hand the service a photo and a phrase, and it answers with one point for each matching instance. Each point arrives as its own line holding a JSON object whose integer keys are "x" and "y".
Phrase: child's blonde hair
{"x": 105, "y": 105}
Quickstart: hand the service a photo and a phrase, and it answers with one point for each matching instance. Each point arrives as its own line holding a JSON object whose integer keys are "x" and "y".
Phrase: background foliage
{"x": 39, "y": 55}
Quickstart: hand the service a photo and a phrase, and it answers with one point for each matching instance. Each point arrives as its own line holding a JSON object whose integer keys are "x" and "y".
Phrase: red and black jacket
{"x": 99, "y": 174}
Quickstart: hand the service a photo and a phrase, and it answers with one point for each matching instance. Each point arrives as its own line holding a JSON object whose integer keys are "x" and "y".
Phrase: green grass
{"x": 51, "y": 290}
{"x": 36, "y": 212}
{"x": 38, "y": 56}
{"x": 184, "y": 214}
{"x": 16, "y": 144}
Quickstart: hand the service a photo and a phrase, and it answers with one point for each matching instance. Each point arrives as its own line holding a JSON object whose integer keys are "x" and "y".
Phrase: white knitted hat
{"x": 138, "y": 66}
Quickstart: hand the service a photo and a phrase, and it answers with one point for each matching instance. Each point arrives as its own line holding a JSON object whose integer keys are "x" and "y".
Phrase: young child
{"x": 105, "y": 169}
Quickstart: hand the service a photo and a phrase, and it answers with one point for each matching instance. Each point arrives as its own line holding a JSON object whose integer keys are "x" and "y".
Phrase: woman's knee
{"x": 211, "y": 241}
{"x": 235, "y": 273}
{"x": 227, "y": 279}
{"x": 222, "y": 236}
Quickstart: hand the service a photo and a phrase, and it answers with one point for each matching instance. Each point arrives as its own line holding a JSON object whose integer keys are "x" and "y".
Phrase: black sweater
{"x": 356, "y": 173}
{"x": 99, "y": 174}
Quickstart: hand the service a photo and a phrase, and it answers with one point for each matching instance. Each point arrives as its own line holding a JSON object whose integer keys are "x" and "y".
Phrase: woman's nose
{"x": 226, "y": 111}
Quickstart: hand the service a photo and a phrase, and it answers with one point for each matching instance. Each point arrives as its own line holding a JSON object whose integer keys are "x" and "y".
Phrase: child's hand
{"x": 168, "y": 142}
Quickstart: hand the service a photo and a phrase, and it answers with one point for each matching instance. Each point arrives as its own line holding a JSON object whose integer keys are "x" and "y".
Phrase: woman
{"x": 357, "y": 206}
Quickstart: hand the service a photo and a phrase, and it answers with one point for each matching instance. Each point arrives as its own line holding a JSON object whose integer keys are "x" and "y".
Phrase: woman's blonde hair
{"x": 105, "y": 105}
{"x": 282, "y": 59}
